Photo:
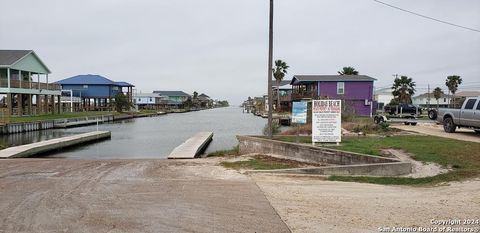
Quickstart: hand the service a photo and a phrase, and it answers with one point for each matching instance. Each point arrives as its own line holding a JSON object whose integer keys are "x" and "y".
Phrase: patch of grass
{"x": 220, "y": 153}
{"x": 432, "y": 180}
{"x": 463, "y": 157}
{"x": 263, "y": 162}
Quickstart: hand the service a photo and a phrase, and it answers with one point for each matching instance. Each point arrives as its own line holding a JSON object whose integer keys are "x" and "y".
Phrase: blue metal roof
{"x": 124, "y": 84}
{"x": 86, "y": 79}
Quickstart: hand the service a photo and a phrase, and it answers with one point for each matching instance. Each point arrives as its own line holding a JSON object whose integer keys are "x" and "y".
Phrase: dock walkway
{"x": 53, "y": 144}
{"x": 192, "y": 147}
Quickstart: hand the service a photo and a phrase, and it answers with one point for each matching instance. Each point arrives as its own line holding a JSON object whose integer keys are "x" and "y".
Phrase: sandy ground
{"x": 311, "y": 205}
{"x": 437, "y": 130}
{"x": 59, "y": 195}
{"x": 419, "y": 169}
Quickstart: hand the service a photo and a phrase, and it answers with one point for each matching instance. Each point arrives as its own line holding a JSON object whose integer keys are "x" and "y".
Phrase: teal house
{"x": 24, "y": 85}
{"x": 173, "y": 98}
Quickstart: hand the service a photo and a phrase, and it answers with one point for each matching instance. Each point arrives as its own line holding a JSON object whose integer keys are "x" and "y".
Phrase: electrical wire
{"x": 427, "y": 17}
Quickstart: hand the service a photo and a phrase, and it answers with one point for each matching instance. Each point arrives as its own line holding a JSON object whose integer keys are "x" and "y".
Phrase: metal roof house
{"x": 355, "y": 90}
{"x": 95, "y": 91}
{"x": 24, "y": 81}
{"x": 173, "y": 98}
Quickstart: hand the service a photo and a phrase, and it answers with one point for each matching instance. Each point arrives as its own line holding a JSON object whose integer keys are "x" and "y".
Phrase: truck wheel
{"x": 477, "y": 131}
{"x": 448, "y": 125}
{"x": 413, "y": 123}
{"x": 432, "y": 114}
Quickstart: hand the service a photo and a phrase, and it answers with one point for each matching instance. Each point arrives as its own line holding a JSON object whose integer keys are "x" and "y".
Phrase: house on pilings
{"x": 96, "y": 93}
{"x": 24, "y": 85}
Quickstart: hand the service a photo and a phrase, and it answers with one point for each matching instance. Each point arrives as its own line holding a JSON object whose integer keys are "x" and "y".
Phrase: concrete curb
{"x": 378, "y": 169}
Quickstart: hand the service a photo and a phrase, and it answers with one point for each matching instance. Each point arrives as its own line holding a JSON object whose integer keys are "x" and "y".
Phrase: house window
{"x": 340, "y": 88}
{"x": 85, "y": 86}
{"x": 444, "y": 100}
{"x": 150, "y": 99}
{"x": 115, "y": 88}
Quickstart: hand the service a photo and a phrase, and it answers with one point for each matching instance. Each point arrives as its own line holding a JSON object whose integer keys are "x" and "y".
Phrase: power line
{"x": 427, "y": 17}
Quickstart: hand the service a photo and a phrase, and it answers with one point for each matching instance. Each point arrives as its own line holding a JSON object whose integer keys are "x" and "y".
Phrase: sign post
{"x": 299, "y": 115}
{"x": 326, "y": 121}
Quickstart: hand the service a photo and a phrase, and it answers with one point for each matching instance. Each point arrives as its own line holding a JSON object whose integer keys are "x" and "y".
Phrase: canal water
{"x": 152, "y": 137}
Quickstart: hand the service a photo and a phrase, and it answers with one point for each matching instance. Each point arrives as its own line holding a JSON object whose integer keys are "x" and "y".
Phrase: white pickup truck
{"x": 467, "y": 117}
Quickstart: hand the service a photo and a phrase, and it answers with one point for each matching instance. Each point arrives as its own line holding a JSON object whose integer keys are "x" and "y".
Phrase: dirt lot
{"x": 58, "y": 195}
{"x": 437, "y": 130}
{"x": 308, "y": 204}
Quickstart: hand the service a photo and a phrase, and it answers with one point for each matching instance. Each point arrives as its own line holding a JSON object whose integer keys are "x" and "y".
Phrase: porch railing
{"x": 305, "y": 95}
{"x": 30, "y": 85}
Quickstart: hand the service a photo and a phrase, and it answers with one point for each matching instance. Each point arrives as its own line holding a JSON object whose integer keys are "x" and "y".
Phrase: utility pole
{"x": 270, "y": 58}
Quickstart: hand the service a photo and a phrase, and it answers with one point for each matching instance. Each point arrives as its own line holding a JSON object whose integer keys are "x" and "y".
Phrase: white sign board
{"x": 326, "y": 121}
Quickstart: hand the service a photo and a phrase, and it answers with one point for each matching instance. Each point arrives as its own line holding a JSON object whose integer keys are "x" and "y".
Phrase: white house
{"x": 428, "y": 100}
{"x": 146, "y": 100}
{"x": 383, "y": 96}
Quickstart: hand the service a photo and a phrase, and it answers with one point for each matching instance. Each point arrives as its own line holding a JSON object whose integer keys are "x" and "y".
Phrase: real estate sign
{"x": 327, "y": 121}
{"x": 299, "y": 112}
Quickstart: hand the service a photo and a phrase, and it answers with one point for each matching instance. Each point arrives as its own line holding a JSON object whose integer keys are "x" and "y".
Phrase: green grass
{"x": 221, "y": 153}
{"x": 15, "y": 119}
{"x": 463, "y": 157}
{"x": 257, "y": 163}
{"x": 142, "y": 111}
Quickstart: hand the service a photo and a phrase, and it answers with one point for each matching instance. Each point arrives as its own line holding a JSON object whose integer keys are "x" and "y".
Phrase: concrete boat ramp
{"x": 193, "y": 147}
{"x": 53, "y": 144}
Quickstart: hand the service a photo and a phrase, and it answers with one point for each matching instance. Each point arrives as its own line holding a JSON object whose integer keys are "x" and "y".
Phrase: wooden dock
{"x": 193, "y": 147}
{"x": 53, "y": 144}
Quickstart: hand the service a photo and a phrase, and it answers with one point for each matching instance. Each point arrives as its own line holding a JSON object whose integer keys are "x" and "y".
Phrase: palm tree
{"x": 348, "y": 71}
{"x": 452, "y": 83}
{"x": 437, "y": 93}
{"x": 279, "y": 73}
{"x": 195, "y": 99}
{"x": 403, "y": 89}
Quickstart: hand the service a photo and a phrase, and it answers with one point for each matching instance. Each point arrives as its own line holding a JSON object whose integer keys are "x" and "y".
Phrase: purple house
{"x": 356, "y": 91}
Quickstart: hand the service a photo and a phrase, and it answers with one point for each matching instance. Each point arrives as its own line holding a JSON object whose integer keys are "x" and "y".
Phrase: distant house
{"x": 173, "y": 99}
{"x": 24, "y": 84}
{"x": 147, "y": 100}
{"x": 428, "y": 100}
{"x": 96, "y": 92}
{"x": 205, "y": 101}
{"x": 461, "y": 96}
{"x": 285, "y": 92}
{"x": 464, "y": 94}
{"x": 383, "y": 96}
{"x": 356, "y": 91}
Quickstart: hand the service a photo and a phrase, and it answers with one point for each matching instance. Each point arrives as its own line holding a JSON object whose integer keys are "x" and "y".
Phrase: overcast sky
{"x": 220, "y": 46}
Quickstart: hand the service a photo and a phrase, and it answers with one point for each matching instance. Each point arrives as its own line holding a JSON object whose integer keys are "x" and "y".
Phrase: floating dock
{"x": 77, "y": 123}
{"x": 193, "y": 147}
{"x": 53, "y": 144}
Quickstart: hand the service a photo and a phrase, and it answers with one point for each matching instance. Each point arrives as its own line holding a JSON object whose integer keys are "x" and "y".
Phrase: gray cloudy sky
{"x": 220, "y": 46}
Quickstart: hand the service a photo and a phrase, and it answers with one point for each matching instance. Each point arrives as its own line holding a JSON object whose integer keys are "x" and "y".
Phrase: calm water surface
{"x": 152, "y": 137}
